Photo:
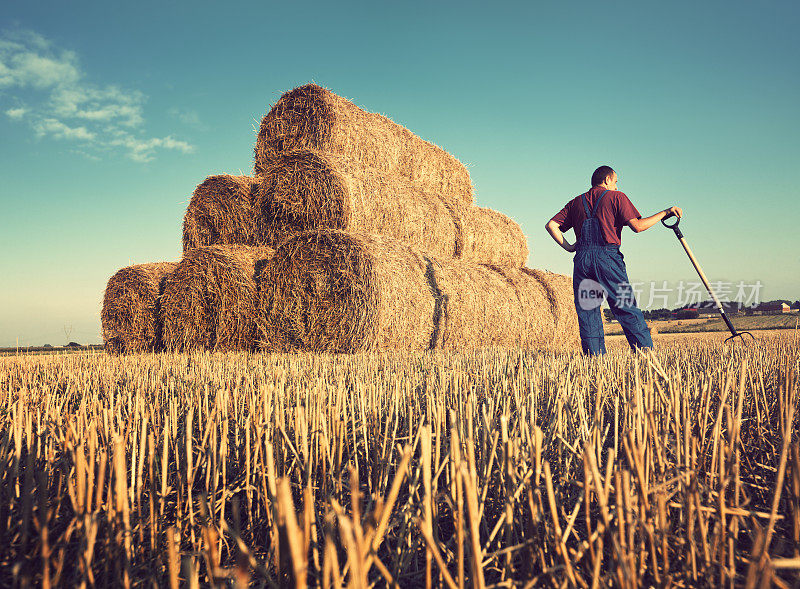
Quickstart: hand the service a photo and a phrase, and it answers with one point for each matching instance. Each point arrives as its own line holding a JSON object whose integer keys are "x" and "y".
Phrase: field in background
{"x": 39, "y": 350}
{"x": 715, "y": 323}
{"x": 617, "y": 341}
{"x": 680, "y": 467}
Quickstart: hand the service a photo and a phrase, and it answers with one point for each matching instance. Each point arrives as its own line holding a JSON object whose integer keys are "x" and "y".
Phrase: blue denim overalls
{"x": 600, "y": 271}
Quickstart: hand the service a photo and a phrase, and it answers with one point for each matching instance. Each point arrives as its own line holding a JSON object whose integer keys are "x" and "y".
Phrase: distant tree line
{"x": 693, "y": 312}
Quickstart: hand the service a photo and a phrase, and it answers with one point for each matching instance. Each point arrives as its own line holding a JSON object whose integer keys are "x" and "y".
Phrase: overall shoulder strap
{"x": 585, "y": 206}
{"x": 597, "y": 202}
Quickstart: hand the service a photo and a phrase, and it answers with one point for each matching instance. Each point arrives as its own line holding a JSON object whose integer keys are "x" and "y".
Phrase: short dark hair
{"x": 600, "y": 175}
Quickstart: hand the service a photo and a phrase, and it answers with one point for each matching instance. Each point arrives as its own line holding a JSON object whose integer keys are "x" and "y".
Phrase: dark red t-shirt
{"x": 613, "y": 214}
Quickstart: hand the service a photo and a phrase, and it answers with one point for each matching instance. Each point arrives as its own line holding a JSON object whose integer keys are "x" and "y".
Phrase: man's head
{"x": 605, "y": 176}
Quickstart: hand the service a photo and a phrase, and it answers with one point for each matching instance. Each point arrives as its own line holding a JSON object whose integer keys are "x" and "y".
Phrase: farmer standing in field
{"x": 598, "y": 216}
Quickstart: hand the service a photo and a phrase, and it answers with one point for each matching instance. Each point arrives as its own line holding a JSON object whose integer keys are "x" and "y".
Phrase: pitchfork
{"x": 720, "y": 308}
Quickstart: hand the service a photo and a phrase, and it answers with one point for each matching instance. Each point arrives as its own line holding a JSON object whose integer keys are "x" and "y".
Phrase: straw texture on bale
{"x": 489, "y": 237}
{"x": 331, "y": 291}
{"x": 562, "y": 303}
{"x": 305, "y": 190}
{"x": 131, "y": 308}
{"x": 210, "y": 300}
{"x": 221, "y": 212}
{"x": 562, "y": 297}
{"x": 313, "y": 117}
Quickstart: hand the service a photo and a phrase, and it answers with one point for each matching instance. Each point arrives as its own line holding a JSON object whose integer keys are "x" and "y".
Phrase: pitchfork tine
{"x": 739, "y": 334}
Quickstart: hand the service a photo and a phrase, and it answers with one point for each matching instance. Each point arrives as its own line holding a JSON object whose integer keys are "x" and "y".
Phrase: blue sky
{"x": 111, "y": 113}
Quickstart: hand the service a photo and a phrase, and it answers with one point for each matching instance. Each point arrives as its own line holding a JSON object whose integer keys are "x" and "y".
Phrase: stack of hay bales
{"x": 336, "y": 291}
{"x": 354, "y": 234}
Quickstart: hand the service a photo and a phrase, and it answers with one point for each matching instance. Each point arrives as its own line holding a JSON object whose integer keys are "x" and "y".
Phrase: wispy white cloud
{"x": 61, "y": 103}
{"x": 143, "y": 150}
{"x": 28, "y": 60}
{"x": 187, "y": 116}
{"x": 16, "y": 113}
{"x": 59, "y": 130}
{"x": 98, "y": 104}
{"x": 25, "y": 68}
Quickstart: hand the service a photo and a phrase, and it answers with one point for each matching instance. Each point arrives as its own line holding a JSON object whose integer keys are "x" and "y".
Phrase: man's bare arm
{"x": 639, "y": 225}
{"x": 555, "y": 233}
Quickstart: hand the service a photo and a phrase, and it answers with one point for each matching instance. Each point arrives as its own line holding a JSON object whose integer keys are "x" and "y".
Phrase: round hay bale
{"x": 561, "y": 297}
{"x": 305, "y": 190}
{"x": 490, "y": 237}
{"x": 210, "y": 299}
{"x": 331, "y": 291}
{"x": 221, "y": 212}
{"x": 313, "y": 117}
{"x": 130, "y": 316}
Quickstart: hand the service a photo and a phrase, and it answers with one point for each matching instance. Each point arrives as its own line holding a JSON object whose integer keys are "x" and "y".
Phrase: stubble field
{"x": 493, "y": 468}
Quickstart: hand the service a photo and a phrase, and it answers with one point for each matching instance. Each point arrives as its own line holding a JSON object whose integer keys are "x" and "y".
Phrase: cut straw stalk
{"x": 340, "y": 292}
{"x": 365, "y": 406}
{"x": 304, "y": 190}
{"x": 313, "y": 117}
{"x": 210, "y": 300}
